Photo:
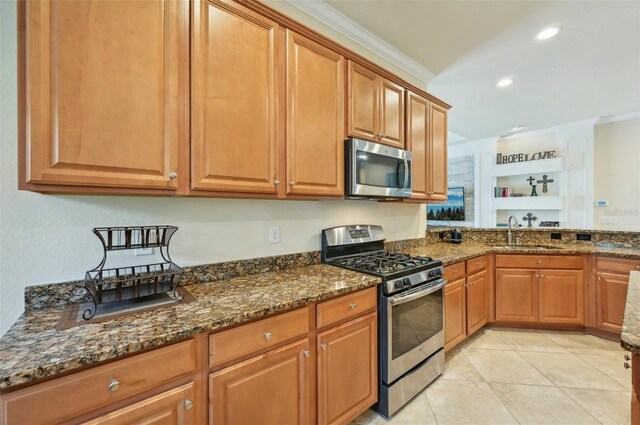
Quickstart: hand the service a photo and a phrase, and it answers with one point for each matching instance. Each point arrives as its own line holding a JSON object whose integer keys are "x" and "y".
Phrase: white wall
{"x": 47, "y": 238}
{"x": 617, "y": 175}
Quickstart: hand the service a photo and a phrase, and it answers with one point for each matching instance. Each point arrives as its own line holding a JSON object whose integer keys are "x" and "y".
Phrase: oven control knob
{"x": 438, "y": 272}
{"x": 432, "y": 273}
{"x": 406, "y": 282}
{"x": 398, "y": 284}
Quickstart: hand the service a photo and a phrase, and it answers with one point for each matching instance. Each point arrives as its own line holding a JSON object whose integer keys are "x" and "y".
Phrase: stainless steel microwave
{"x": 373, "y": 170}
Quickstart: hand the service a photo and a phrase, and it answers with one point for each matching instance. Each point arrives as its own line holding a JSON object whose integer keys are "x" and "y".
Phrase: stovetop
{"x": 385, "y": 264}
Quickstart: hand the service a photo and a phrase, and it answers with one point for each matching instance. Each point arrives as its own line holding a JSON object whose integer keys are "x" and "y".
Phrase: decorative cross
{"x": 531, "y": 180}
{"x": 529, "y": 218}
{"x": 544, "y": 182}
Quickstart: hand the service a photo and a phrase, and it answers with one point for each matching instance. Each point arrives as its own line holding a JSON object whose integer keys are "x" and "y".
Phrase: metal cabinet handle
{"x": 292, "y": 183}
{"x": 267, "y": 335}
{"x": 173, "y": 175}
{"x": 306, "y": 353}
{"x": 637, "y": 267}
{"x": 539, "y": 261}
{"x": 276, "y": 182}
{"x": 626, "y": 365}
{"x": 324, "y": 347}
{"x": 626, "y": 357}
{"x": 537, "y": 276}
{"x": 353, "y": 306}
{"x": 541, "y": 276}
{"x": 188, "y": 404}
{"x": 114, "y": 385}
{"x": 599, "y": 277}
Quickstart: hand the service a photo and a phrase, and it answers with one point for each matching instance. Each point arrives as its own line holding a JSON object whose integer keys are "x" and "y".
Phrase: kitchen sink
{"x": 536, "y": 247}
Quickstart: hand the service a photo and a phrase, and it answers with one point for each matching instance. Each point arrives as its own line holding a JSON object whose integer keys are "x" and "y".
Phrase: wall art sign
{"x": 523, "y": 157}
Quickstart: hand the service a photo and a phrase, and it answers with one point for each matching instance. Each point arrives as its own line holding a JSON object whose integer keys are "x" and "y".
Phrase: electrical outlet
{"x": 608, "y": 219}
{"x": 143, "y": 251}
{"x": 583, "y": 236}
{"x": 274, "y": 234}
{"x": 556, "y": 236}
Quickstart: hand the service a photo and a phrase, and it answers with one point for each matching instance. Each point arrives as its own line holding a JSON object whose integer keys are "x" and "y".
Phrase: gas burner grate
{"x": 383, "y": 263}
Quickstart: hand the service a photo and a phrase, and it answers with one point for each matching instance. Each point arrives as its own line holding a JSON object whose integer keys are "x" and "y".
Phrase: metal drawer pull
{"x": 114, "y": 385}
{"x": 541, "y": 276}
{"x": 267, "y": 335}
{"x": 626, "y": 357}
{"x": 173, "y": 175}
{"x": 276, "y": 182}
{"x": 539, "y": 261}
{"x": 626, "y": 365}
{"x": 188, "y": 404}
{"x": 353, "y": 306}
{"x": 292, "y": 183}
{"x": 307, "y": 353}
{"x": 324, "y": 347}
{"x": 637, "y": 267}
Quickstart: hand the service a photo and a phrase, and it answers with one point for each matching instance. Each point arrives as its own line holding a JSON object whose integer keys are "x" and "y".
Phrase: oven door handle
{"x": 406, "y": 298}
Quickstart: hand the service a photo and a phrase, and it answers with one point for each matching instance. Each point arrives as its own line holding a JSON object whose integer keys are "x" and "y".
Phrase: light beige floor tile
{"x": 569, "y": 370}
{"x": 505, "y": 366}
{"x": 610, "y": 365}
{"x": 369, "y": 417}
{"x": 418, "y": 411}
{"x": 528, "y": 340}
{"x": 459, "y": 368}
{"x": 576, "y": 342}
{"x": 460, "y": 403}
{"x": 609, "y": 407}
{"x": 487, "y": 339}
{"x": 535, "y": 405}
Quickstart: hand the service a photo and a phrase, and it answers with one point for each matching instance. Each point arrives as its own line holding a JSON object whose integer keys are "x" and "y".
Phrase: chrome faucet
{"x": 509, "y": 234}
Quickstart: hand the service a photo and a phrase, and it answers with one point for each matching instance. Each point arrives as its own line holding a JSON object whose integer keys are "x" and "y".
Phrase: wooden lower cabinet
{"x": 612, "y": 297}
{"x": 516, "y": 295}
{"x": 347, "y": 370}
{"x": 173, "y": 407}
{"x": 477, "y": 301}
{"x": 561, "y": 294}
{"x": 272, "y": 388}
{"x": 455, "y": 324}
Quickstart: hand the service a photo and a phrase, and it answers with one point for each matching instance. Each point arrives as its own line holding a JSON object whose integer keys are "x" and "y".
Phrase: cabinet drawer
{"x": 454, "y": 271}
{"x": 71, "y": 396}
{"x": 539, "y": 261}
{"x": 346, "y": 307}
{"x": 617, "y": 264}
{"x": 247, "y": 339}
{"x": 476, "y": 264}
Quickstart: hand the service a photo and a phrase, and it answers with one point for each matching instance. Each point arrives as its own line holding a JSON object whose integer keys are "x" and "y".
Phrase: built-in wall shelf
{"x": 529, "y": 203}
{"x": 553, "y": 165}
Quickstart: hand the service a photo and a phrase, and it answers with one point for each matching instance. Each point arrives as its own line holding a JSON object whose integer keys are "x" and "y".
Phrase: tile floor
{"x": 509, "y": 376}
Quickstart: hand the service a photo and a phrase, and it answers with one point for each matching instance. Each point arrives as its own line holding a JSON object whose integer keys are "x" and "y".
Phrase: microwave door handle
{"x": 406, "y": 174}
{"x": 398, "y": 175}
{"x": 406, "y": 298}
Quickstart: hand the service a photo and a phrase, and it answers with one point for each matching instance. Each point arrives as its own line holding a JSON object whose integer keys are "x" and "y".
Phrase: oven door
{"x": 412, "y": 328}
{"x": 377, "y": 170}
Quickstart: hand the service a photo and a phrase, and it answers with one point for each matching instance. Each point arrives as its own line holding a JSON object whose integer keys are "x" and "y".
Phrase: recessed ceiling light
{"x": 548, "y": 33}
{"x": 517, "y": 128}
{"x": 505, "y": 82}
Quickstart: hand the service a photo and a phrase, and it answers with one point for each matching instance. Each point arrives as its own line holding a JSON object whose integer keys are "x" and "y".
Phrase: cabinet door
{"x": 170, "y": 407}
{"x": 561, "y": 296}
{"x": 454, "y": 313}
{"x": 364, "y": 105}
{"x": 347, "y": 370}
{"x": 418, "y": 143}
{"x": 517, "y": 295}
{"x": 391, "y": 114}
{"x": 315, "y": 118}
{"x": 272, "y": 388}
{"x": 234, "y": 104}
{"x": 477, "y": 301}
{"x": 105, "y": 93}
{"x": 437, "y": 153}
{"x": 612, "y": 297}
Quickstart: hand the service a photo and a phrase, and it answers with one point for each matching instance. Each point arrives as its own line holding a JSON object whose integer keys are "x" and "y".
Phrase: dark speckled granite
{"x": 630, "y": 338}
{"x": 33, "y": 348}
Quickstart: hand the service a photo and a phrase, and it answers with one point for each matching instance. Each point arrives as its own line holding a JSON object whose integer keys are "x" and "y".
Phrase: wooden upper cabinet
{"x": 517, "y": 295}
{"x": 102, "y": 100}
{"x": 376, "y": 107}
{"x": 391, "y": 114}
{"x": 234, "y": 104}
{"x": 426, "y": 125}
{"x": 315, "y": 118}
{"x": 561, "y": 296}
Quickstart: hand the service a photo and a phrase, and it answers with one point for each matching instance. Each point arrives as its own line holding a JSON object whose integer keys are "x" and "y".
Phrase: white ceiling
{"x": 591, "y": 69}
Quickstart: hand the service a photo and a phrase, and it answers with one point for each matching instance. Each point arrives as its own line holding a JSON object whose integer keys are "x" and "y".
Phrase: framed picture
{"x": 453, "y": 210}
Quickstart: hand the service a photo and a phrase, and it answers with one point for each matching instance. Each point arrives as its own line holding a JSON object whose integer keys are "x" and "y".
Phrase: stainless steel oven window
{"x": 416, "y": 321}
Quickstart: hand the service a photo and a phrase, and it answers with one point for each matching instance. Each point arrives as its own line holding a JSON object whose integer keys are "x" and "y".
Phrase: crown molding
{"x": 335, "y": 20}
{"x": 620, "y": 117}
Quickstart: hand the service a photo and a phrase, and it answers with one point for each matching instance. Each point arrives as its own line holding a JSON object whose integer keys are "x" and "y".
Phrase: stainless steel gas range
{"x": 410, "y": 310}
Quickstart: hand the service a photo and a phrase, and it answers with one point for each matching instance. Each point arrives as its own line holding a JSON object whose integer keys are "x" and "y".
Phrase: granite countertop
{"x": 631, "y": 324}
{"x": 33, "y": 348}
